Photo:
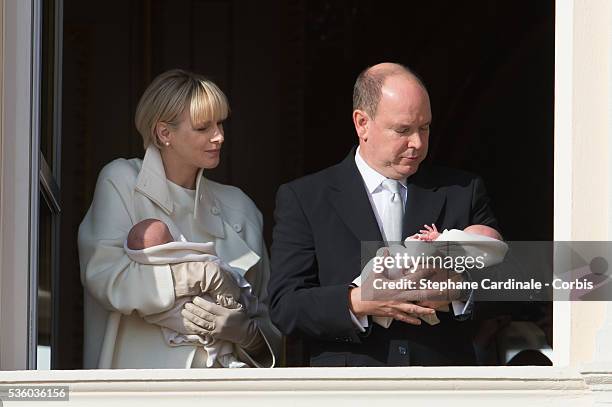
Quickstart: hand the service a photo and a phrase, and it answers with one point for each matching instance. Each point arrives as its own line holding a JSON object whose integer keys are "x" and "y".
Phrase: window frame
{"x": 20, "y": 180}
{"x": 19, "y": 165}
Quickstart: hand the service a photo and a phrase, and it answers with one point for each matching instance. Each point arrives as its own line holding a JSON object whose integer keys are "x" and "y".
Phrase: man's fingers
{"x": 401, "y": 296}
{"x": 415, "y": 309}
{"x": 419, "y": 274}
{"x": 428, "y": 304}
{"x": 400, "y": 316}
{"x": 433, "y": 304}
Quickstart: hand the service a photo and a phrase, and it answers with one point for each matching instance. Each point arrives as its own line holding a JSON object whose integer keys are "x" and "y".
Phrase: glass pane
{"x": 47, "y": 81}
{"x": 44, "y": 305}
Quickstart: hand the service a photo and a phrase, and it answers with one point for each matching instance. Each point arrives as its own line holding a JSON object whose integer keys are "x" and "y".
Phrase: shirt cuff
{"x": 461, "y": 308}
{"x": 360, "y": 323}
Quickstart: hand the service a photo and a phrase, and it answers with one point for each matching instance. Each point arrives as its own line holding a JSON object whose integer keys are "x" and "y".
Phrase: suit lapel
{"x": 424, "y": 203}
{"x": 349, "y": 198}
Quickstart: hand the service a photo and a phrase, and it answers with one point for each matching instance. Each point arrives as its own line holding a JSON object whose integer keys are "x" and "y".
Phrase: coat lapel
{"x": 153, "y": 184}
{"x": 349, "y": 198}
{"x": 207, "y": 211}
{"x": 151, "y": 181}
{"x": 424, "y": 203}
{"x": 208, "y": 214}
{"x": 236, "y": 249}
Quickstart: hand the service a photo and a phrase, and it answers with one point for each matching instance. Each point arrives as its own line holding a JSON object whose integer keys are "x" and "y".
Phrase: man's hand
{"x": 445, "y": 296}
{"x": 389, "y": 303}
{"x": 442, "y": 299}
{"x": 401, "y": 311}
{"x": 378, "y": 296}
{"x": 437, "y": 305}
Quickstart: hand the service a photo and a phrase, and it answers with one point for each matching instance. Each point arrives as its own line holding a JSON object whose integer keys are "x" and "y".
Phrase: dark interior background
{"x": 288, "y": 69}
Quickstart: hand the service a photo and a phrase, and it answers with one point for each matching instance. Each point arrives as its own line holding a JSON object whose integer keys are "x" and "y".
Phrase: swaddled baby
{"x": 474, "y": 240}
{"x": 150, "y": 242}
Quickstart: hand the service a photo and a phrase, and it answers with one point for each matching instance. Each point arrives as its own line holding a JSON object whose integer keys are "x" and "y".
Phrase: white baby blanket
{"x": 451, "y": 243}
{"x": 180, "y": 252}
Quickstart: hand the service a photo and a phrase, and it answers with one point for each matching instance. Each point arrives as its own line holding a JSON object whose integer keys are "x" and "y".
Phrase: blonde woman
{"x": 180, "y": 117}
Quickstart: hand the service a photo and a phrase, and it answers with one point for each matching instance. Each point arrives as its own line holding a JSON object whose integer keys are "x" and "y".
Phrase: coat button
{"x": 402, "y": 350}
{"x": 215, "y": 211}
{"x": 237, "y": 228}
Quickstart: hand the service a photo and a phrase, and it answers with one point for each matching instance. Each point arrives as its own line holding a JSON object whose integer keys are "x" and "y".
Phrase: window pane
{"x": 44, "y": 306}
{"x": 47, "y": 81}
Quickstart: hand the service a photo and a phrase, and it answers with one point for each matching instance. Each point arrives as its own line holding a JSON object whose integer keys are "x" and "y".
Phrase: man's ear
{"x": 162, "y": 132}
{"x": 361, "y": 120}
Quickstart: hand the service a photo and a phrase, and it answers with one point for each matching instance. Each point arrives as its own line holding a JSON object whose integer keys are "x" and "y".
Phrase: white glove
{"x": 174, "y": 320}
{"x": 221, "y": 323}
{"x": 211, "y": 277}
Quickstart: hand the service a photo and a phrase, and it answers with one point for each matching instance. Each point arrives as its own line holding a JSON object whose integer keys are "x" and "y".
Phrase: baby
{"x": 474, "y": 233}
{"x": 154, "y": 235}
{"x": 473, "y": 241}
{"x": 150, "y": 242}
{"x": 148, "y": 233}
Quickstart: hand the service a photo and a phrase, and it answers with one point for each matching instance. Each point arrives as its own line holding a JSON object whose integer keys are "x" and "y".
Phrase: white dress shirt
{"x": 378, "y": 197}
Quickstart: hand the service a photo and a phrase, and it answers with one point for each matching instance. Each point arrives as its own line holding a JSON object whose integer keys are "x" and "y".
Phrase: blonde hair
{"x": 167, "y": 97}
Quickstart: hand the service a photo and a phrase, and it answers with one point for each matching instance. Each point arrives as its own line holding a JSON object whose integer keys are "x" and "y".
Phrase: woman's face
{"x": 195, "y": 145}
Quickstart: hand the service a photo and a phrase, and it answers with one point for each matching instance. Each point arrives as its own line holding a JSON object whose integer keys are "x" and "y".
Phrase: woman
{"x": 180, "y": 117}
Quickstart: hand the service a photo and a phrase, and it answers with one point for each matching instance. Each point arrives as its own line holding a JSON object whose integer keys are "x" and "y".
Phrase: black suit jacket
{"x": 321, "y": 220}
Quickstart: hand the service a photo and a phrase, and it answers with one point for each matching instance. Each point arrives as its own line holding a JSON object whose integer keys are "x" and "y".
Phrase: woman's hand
{"x": 173, "y": 319}
{"x": 195, "y": 278}
{"x": 230, "y": 322}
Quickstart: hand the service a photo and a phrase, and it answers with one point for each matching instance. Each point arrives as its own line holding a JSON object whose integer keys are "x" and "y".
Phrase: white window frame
{"x": 19, "y": 194}
{"x": 19, "y": 183}
{"x": 562, "y": 206}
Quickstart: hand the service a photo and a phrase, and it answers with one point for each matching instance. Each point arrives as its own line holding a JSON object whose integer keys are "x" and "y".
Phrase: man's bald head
{"x": 368, "y": 86}
{"x": 392, "y": 115}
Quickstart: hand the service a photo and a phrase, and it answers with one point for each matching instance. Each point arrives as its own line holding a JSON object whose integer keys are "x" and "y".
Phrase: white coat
{"x": 118, "y": 291}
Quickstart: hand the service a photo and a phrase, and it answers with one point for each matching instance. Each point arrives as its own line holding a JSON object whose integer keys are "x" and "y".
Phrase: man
{"x": 322, "y": 219}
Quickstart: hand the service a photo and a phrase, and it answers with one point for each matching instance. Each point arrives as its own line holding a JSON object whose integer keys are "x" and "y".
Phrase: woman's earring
{"x": 167, "y": 143}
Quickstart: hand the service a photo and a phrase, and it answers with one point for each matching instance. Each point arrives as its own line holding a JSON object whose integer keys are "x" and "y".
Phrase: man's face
{"x": 394, "y": 142}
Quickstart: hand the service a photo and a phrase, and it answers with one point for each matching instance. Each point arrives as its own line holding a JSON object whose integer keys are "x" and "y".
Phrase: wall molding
{"x": 359, "y": 386}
